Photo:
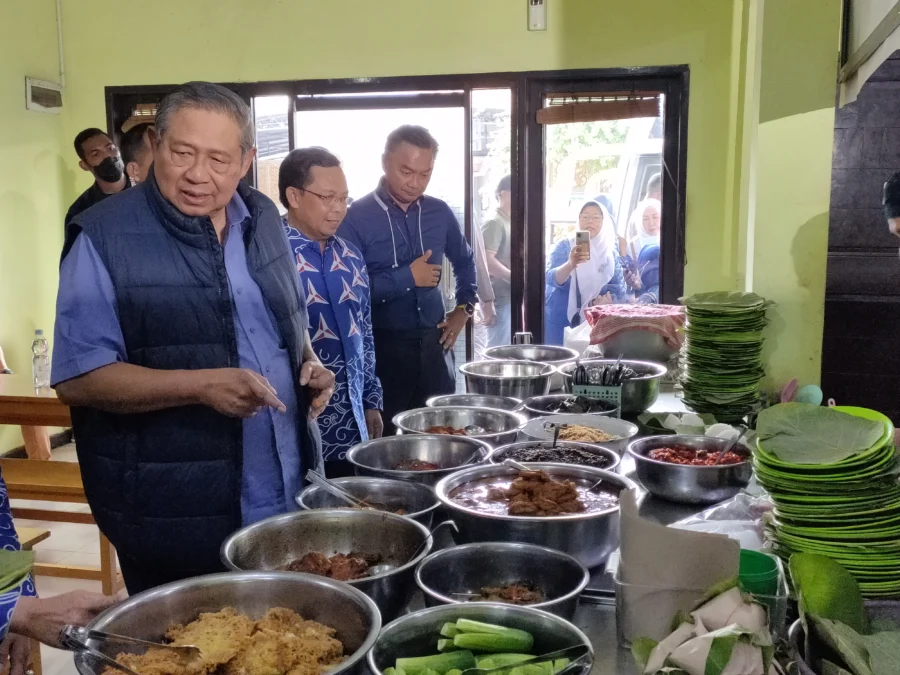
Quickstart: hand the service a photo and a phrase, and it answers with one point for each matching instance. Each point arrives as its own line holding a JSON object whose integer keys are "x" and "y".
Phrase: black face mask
{"x": 110, "y": 170}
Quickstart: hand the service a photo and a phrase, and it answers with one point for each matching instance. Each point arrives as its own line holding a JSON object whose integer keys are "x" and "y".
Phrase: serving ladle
{"x": 383, "y": 568}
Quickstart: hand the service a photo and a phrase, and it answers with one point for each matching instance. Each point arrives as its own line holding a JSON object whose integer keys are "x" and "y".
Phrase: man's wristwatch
{"x": 467, "y": 307}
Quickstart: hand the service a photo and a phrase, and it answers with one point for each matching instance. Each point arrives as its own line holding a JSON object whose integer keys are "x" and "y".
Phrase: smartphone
{"x": 583, "y": 239}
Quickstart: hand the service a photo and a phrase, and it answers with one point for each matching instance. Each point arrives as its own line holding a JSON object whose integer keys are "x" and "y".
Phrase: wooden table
{"x": 59, "y": 482}
{"x": 28, "y": 537}
{"x": 33, "y": 410}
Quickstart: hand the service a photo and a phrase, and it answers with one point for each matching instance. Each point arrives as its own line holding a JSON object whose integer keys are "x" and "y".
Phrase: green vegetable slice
{"x": 459, "y": 660}
{"x": 518, "y": 641}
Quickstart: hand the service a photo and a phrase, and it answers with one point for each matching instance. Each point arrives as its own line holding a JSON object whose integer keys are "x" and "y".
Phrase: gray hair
{"x": 412, "y": 134}
{"x": 211, "y": 97}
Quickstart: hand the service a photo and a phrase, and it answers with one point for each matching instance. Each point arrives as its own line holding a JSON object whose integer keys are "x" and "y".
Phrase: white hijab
{"x": 591, "y": 276}
{"x": 635, "y": 234}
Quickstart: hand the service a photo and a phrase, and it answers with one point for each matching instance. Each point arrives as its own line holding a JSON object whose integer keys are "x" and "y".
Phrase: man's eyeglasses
{"x": 328, "y": 200}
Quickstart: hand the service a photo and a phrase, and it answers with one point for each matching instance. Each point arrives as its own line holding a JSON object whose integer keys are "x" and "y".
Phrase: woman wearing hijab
{"x": 642, "y": 229}
{"x": 578, "y": 278}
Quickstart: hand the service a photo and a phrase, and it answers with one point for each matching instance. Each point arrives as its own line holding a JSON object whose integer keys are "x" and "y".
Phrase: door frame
{"x": 526, "y": 149}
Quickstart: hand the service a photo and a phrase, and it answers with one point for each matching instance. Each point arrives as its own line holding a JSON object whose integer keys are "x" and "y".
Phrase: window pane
{"x": 357, "y": 138}
{"x": 612, "y": 163}
{"x": 271, "y": 142}
{"x": 491, "y": 130}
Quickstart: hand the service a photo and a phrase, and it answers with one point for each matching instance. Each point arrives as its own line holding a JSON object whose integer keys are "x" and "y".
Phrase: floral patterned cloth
{"x": 338, "y": 301}
{"x": 9, "y": 541}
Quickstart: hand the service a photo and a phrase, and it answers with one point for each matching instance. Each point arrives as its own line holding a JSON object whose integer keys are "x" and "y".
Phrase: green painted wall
{"x": 33, "y": 179}
{"x": 172, "y": 41}
{"x": 793, "y": 179}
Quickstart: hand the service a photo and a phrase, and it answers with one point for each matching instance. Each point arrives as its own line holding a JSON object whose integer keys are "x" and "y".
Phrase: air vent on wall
{"x": 43, "y": 96}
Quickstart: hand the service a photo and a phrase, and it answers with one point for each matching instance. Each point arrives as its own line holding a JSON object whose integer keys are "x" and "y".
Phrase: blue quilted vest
{"x": 165, "y": 486}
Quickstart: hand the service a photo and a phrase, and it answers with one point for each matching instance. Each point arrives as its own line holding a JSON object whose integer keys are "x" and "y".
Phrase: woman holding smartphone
{"x": 582, "y": 273}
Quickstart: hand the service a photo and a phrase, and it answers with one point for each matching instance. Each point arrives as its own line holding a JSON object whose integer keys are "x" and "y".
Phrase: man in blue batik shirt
{"x": 313, "y": 188}
{"x": 182, "y": 347}
{"x": 404, "y": 235}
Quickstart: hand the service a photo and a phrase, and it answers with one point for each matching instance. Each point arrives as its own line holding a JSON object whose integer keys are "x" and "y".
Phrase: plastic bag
{"x": 740, "y": 518}
{"x": 578, "y": 338}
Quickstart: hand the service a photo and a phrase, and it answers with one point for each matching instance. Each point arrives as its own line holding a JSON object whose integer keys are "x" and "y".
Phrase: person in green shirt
{"x": 496, "y": 233}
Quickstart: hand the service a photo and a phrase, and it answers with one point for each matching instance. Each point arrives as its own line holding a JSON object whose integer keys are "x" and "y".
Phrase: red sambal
{"x": 680, "y": 454}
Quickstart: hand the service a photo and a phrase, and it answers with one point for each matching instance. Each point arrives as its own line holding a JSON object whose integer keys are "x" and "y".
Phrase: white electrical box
{"x": 43, "y": 96}
{"x": 537, "y": 14}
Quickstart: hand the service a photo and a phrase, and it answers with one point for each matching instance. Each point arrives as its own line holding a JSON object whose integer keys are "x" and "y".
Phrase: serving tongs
{"x": 75, "y": 638}
{"x": 578, "y": 656}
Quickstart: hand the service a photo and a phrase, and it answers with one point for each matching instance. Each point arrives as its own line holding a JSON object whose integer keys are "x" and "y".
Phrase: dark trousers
{"x": 140, "y": 577}
{"x": 412, "y": 366}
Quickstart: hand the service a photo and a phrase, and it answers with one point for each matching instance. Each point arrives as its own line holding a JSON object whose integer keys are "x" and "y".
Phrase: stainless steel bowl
{"x": 469, "y": 568}
{"x": 379, "y": 456}
{"x": 518, "y": 379}
{"x": 638, "y": 393}
{"x": 418, "y": 501}
{"x": 275, "y": 542}
{"x": 414, "y": 634}
{"x": 622, "y": 430}
{"x": 689, "y": 484}
{"x": 553, "y": 355}
{"x": 501, "y": 453}
{"x": 474, "y": 401}
{"x": 536, "y": 406}
{"x": 639, "y": 345}
{"x": 501, "y": 426}
{"x": 149, "y": 615}
{"x": 588, "y": 537}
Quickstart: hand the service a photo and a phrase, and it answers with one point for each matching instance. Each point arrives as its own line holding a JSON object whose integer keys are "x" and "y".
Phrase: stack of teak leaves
{"x": 832, "y": 475}
{"x": 723, "y": 353}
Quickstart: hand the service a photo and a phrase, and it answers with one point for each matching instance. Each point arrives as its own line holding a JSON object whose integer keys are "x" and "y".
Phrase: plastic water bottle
{"x": 40, "y": 361}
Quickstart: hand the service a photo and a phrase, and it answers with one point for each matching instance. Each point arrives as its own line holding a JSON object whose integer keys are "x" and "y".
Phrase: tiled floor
{"x": 68, "y": 543}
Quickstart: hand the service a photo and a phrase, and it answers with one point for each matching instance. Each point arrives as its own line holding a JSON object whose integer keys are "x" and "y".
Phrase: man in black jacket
{"x": 182, "y": 347}
{"x": 100, "y": 156}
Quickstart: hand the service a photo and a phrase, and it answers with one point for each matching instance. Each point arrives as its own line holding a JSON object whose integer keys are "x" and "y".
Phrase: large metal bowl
{"x": 469, "y": 568}
{"x": 501, "y": 426}
{"x": 149, "y": 615}
{"x": 588, "y": 537}
{"x": 414, "y": 634}
{"x": 275, "y": 542}
{"x": 379, "y": 456}
{"x": 689, "y": 484}
{"x": 638, "y": 393}
{"x": 518, "y": 379}
{"x": 501, "y": 453}
{"x": 552, "y": 355}
{"x": 623, "y": 430}
{"x": 417, "y": 500}
{"x": 474, "y": 401}
{"x": 536, "y": 406}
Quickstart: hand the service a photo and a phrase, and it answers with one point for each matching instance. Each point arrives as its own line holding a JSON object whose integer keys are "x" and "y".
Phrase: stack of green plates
{"x": 849, "y": 510}
{"x": 723, "y": 346}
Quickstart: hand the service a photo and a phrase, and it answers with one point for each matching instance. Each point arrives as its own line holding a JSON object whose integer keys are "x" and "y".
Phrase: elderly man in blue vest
{"x": 182, "y": 346}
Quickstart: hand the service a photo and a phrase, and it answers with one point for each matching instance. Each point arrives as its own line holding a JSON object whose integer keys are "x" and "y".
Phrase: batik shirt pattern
{"x": 340, "y": 324}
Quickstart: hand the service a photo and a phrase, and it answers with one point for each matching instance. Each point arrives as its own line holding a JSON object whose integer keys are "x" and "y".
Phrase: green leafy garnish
{"x": 827, "y": 590}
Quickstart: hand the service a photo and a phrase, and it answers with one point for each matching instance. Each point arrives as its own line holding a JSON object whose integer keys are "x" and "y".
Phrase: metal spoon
{"x": 474, "y": 430}
{"x": 731, "y": 445}
{"x": 375, "y": 570}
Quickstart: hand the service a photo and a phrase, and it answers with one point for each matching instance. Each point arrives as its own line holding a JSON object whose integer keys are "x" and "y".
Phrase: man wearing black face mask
{"x": 99, "y": 155}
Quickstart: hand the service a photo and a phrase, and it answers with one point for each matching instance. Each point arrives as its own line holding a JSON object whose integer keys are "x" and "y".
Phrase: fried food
{"x": 535, "y": 493}
{"x": 281, "y": 643}
{"x": 584, "y": 434}
{"x": 343, "y": 567}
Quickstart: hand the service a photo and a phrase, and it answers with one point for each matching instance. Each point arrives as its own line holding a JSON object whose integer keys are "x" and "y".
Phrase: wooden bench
{"x": 28, "y": 537}
{"x": 30, "y": 479}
